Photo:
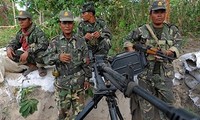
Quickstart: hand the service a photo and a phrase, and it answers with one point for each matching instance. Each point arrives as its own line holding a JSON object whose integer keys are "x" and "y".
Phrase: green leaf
{"x": 27, "y": 112}
{"x": 24, "y": 107}
{"x": 28, "y": 107}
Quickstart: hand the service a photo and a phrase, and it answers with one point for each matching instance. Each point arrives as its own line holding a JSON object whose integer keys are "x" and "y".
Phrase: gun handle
{"x": 151, "y": 52}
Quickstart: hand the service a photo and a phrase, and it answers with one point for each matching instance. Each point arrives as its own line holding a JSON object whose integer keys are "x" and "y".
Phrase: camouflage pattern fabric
{"x": 169, "y": 36}
{"x": 159, "y": 73}
{"x": 37, "y": 42}
{"x": 100, "y": 45}
{"x": 71, "y": 76}
{"x": 67, "y": 98}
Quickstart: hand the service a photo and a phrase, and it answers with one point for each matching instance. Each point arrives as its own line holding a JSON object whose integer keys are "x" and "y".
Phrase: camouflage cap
{"x": 128, "y": 44}
{"x": 88, "y": 7}
{"x": 158, "y": 5}
{"x": 66, "y": 16}
{"x": 24, "y": 14}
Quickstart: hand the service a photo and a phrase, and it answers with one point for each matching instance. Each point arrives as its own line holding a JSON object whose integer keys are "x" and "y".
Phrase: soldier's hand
{"x": 88, "y": 36}
{"x": 86, "y": 85}
{"x": 10, "y": 53}
{"x": 64, "y": 57}
{"x": 168, "y": 52}
{"x": 23, "y": 57}
{"x": 96, "y": 34}
{"x": 129, "y": 49}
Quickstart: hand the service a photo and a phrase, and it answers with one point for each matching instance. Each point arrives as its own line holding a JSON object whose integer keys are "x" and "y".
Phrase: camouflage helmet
{"x": 158, "y": 5}
{"x": 88, "y": 7}
{"x": 24, "y": 14}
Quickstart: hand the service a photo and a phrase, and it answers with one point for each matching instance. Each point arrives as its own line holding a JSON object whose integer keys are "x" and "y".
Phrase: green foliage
{"x": 122, "y": 16}
{"x": 6, "y": 14}
{"x": 6, "y": 35}
{"x": 186, "y": 15}
{"x": 27, "y": 105}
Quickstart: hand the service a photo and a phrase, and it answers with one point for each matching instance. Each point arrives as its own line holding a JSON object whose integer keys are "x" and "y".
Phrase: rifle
{"x": 153, "y": 51}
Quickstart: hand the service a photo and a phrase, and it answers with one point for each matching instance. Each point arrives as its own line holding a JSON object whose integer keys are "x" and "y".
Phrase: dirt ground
{"x": 9, "y": 108}
{"x": 182, "y": 91}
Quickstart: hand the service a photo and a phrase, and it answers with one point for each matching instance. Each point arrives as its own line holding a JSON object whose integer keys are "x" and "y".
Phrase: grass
{"x": 6, "y": 34}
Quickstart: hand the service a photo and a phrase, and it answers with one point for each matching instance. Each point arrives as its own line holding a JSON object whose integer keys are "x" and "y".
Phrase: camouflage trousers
{"x": 135, "y": 107}
{"x": 100, "y": 48}
{"x": 157, "y": 80}
{"x": 70, "y": 101}
{"x": 32, "y": 58}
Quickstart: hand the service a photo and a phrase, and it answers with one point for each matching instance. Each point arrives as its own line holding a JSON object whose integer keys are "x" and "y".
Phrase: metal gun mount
{"x": 129, "y": 64}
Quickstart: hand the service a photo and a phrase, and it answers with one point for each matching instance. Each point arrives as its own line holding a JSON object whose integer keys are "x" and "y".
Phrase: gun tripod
{"x": 112, "y": 105}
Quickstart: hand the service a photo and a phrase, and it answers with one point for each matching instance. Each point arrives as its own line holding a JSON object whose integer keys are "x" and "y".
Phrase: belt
{"x": 70, "y": 72}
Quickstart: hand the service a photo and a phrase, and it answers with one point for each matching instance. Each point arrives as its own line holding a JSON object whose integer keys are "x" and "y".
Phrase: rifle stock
{"x": 152, "y": 51}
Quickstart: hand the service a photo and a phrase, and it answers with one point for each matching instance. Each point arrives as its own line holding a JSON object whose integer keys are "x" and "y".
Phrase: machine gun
{"x": 117, "y": 74}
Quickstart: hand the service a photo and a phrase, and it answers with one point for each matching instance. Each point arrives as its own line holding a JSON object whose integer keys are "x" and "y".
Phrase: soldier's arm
{"x": 15, "y": 42}
{"x": 51, "y": 56}
{"x": 177, "y": 36}
{"x": 134, "y": 37}
{"x": 177, "y": 39}
{"x": 42, "y": 41}
{"x": 105, "y": 31}
{"x": 80, "y": 31}
{"x": 85, "y": 65}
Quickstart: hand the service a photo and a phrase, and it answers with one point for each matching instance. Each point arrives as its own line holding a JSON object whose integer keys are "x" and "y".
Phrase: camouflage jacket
{"x": 170, "y": 37}
{"x": 36, "y": 40}
{"x": 100, "y": 25}
{"x": 76, "y": 46}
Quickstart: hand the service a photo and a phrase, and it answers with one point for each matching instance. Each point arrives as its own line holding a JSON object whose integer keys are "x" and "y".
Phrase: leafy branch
{"x": 27, "y": 105}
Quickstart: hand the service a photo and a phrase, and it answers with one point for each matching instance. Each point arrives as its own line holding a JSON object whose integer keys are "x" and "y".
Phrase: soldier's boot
{"x": 41, "y": 70}
{"x": 31, "y": 68}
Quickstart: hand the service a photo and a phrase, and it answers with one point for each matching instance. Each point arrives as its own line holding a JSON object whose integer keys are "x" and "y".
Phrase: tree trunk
{"x": 40, "y": 17}
{"x": 13, "y": 7}
{"x": 168, "y": 11}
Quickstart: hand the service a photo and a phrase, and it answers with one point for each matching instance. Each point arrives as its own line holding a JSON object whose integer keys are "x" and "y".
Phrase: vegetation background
{"x": 122, "y": 16}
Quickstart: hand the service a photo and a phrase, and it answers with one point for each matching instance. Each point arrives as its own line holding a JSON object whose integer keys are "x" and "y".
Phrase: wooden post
{"x": 13, "y": 7}
{"x": 167, "y": 19}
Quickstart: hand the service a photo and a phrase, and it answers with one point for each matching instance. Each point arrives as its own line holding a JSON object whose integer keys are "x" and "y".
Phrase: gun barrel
{"x": 171, "y": 112}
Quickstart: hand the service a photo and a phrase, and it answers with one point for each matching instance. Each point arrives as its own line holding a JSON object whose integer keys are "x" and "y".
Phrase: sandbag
{"x": 7, "y": 65}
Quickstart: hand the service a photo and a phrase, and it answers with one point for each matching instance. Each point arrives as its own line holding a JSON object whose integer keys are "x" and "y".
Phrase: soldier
{"x": 33, "y": 42}
{"x": 69, "y": 53}
{"x": 94, "y": 30}
{"x": 128, "y": 46}
{"x": 159, "y": 73}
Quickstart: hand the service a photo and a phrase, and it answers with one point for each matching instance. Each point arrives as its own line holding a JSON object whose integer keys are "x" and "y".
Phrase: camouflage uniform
{"x": 69, "y": 76}
{"x": 37, "y": 44}
{"x": 102, "y": 44}
{"x": 158, "y": 74}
